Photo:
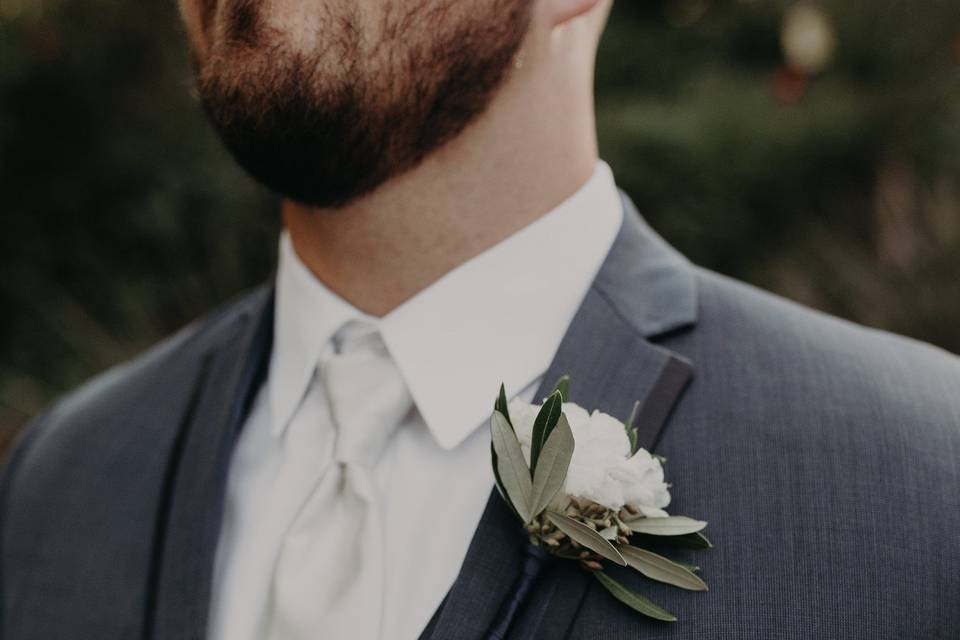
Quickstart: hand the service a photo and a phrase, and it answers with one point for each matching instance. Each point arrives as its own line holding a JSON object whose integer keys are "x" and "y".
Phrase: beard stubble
{"x": 328, "y": 123}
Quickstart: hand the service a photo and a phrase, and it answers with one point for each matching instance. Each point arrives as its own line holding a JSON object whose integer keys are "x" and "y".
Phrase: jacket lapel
{"x": 190, "y": 514}
{"x": 643, "y": 290}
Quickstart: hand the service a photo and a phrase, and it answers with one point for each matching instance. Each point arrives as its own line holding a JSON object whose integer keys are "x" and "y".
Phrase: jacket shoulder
{"x": 808, "y": 354}
{"x": 137, "y": 386}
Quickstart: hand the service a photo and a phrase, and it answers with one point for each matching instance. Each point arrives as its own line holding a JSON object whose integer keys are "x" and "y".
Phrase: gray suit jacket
{"x": 825, "y": 456}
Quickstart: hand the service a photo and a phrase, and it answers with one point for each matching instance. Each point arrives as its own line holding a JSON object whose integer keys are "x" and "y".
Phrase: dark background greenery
{"x": 123, "y": 218}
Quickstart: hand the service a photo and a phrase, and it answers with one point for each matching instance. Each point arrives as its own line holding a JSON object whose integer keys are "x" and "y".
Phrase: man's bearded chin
{"x": 327, "y": 123}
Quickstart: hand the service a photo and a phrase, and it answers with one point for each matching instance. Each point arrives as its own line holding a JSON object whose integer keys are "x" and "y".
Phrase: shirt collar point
{"x": 449, "y": 432}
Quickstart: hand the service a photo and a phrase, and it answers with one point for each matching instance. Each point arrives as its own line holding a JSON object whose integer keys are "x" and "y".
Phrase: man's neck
{"x": 534, "y": 147}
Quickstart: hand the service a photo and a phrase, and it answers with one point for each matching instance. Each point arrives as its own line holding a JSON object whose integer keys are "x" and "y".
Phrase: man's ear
{"x": 566, "y": 10}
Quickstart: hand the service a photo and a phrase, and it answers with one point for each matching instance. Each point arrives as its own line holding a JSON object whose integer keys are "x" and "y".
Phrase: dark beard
{"x": 330, "y": 125}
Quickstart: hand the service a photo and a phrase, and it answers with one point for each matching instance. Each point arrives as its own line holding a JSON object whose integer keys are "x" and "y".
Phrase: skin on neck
{"x": 531, "y": 150}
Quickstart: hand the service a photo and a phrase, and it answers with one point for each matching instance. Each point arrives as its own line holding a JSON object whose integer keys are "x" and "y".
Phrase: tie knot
{"x": 366, "y": 391}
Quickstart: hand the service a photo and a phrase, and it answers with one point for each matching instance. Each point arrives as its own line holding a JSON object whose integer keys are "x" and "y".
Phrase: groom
{"x": 313, "y": 460}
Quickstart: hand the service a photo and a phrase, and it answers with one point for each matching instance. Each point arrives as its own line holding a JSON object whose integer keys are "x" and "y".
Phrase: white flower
{"x": 602, "y": 469}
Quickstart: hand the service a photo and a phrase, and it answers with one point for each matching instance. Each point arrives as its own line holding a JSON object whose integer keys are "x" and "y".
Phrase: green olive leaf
{"x": 586, "y": 536}
{"x": 496, "y": 477}
{"x": 669, "y": 526}
{"x": 563, "y": 388}
{"x": 633, "y": 600}
{"x": 552, "y": 467}
{"x": 689, "y": 541}
{"x": 501, "y": 404}
{"x": 632, "y": 420}
{"x": 661, "y": 569}
{"x": 544, "y": 424}
{"x": 511, "y": 466}
{"x": 631, "y": 426}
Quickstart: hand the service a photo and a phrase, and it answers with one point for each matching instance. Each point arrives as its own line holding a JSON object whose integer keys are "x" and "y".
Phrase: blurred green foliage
{"x": 123, "y": 218}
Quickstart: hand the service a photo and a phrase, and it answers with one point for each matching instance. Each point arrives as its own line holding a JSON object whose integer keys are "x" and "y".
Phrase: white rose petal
{"x": 642, "y": 478}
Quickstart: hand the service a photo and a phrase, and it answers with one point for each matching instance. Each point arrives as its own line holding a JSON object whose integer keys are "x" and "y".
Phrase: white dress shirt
{"x": 498, "y": 317}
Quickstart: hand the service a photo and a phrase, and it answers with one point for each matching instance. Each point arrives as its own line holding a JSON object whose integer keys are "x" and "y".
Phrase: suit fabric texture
{"x": 825, "y": 456}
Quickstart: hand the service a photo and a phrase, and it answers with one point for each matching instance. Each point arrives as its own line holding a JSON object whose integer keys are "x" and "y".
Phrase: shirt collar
{"x": 498, "y": 317}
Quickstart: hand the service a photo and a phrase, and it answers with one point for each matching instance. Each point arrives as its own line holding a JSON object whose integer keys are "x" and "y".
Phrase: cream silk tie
{"x": 329, "y": 576}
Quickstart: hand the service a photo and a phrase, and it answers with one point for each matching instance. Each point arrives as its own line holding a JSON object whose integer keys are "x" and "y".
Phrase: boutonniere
{"x": 586, "y": 492}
